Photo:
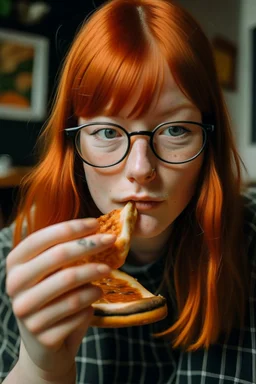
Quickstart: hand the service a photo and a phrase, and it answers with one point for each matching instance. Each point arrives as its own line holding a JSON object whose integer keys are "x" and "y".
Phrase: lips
{"x": 142, "y": 199}
{"x": 146, "y": 205}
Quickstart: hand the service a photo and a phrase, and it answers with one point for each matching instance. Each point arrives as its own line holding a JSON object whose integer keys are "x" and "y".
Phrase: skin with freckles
{"x": 172, "y": 185}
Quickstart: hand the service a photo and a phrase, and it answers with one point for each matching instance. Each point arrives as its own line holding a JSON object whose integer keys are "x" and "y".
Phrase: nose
{"x": 140, "y": 164}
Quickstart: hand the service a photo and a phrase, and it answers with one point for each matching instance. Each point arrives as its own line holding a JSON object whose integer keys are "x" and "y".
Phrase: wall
{"x": 247, "y": 150}
{"x": 233, "y": 19}
{"x": 218, "y": 17}
{"x": 18, "y": 138}
{"x": 230, "y": 18}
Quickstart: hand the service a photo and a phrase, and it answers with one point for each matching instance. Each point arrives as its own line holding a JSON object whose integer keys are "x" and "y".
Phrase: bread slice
{"x": 126, "y": 302}
{"x": 120, "y": 222}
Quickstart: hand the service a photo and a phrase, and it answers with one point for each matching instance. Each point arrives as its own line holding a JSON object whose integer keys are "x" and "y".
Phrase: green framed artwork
{"x": 23, "y": 76}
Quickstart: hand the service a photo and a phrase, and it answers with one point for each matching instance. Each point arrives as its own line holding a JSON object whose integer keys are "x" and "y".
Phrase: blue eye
{"x": 175, "y": 130}
{"x": 107, "y": 133}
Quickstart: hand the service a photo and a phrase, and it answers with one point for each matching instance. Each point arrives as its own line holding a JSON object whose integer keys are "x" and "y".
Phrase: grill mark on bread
{"x": 117, "y": 290}
{"x": 126, "y": 302}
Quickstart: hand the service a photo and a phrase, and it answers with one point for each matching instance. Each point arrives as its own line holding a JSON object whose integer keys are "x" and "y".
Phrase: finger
{"x": 26, "y": 275}
{"x": 74, "y": 340}
{"x": 53, "y": 338}
{"x": 64, "y": 307}
{"x": 56, "y": 285}
{"x": 47, "y": 237}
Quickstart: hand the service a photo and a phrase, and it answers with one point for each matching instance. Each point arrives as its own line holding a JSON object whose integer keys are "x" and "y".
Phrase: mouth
{"x": 145, "y": 204}
{"x": 142, "y": 205}
{"x": 143, "y": 199}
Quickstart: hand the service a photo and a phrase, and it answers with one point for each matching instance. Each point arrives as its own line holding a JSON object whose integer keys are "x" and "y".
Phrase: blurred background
{"x": 34, "y": 36}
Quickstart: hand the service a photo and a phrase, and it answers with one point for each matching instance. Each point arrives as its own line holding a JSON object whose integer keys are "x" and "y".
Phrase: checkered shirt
{"x": 132, "y": 355}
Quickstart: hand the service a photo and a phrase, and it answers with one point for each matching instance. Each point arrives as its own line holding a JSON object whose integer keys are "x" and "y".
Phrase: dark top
{"x": 133, "y": 355}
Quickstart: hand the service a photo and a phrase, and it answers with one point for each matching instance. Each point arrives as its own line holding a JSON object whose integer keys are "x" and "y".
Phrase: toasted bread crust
{"x": 121, "y": 321}
{"x": 125, "y": 301}
{"x": 120, "y": 222}
{"x": 114, "y": 310}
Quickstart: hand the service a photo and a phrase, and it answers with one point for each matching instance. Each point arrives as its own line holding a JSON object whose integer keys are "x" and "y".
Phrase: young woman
{"x": 140, "y": 96}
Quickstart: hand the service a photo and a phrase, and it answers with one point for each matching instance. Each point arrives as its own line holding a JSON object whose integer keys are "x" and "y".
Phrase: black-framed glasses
{"x": 104, "y": 144}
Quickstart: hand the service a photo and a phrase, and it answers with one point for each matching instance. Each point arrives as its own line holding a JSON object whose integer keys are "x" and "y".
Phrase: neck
{"x": 145, "y": 251}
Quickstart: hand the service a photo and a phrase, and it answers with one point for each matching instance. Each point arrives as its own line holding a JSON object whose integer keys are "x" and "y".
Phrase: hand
{"x": 52, "y": 299}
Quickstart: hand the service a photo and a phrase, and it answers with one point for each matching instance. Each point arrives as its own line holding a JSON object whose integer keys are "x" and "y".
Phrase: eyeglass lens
{"x": 106, "y": 145}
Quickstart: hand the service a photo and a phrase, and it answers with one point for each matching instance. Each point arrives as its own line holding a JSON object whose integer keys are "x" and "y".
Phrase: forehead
{"x": 151, "y": 95}
{"x": 168, "y": 98}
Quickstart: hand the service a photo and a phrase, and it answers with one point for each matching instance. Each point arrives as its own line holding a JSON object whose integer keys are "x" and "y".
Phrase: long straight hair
{"x": 123, "y": 48}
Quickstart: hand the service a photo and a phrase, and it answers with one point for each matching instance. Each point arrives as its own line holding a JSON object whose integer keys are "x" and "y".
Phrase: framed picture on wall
{"x": 23, "y": 75}
{"x": 225, "y": 53}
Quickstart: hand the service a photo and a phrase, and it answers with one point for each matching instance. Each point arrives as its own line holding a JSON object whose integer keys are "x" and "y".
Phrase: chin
{"x": 148, "y": 227}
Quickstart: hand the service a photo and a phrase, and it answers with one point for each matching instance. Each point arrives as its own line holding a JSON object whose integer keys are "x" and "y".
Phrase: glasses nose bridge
{"x": 148, "y": 134}
{"x": 141, "y": 133}
{"x": 147, "y": 146}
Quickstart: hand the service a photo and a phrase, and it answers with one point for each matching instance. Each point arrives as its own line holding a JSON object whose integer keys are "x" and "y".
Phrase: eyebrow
{"x": 175, "y": 109}
{"x": 167, "y": 112}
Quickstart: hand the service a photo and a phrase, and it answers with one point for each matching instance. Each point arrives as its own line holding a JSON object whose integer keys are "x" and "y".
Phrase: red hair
{"x": 124, "y": 47}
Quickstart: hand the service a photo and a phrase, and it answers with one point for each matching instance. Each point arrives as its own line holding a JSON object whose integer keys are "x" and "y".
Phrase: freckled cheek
{"x": 183, "y": 180}
{"x": 99, "y": 185}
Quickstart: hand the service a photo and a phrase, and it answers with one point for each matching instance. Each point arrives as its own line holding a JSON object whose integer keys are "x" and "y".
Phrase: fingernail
{"x": 103, "y": 268}
{"x": 91, "y": 222}
{"x": 108, "y": 238}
